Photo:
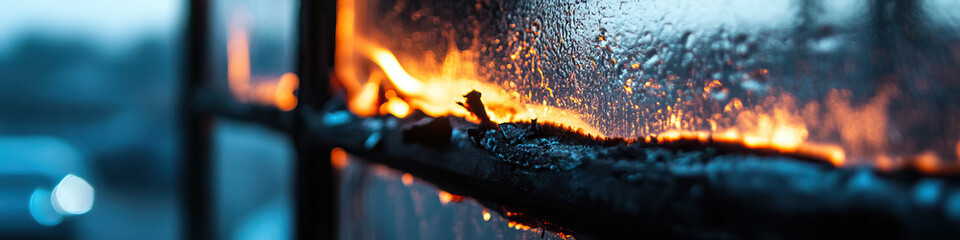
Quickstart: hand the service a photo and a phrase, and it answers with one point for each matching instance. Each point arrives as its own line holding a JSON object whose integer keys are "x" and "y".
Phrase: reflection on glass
{"x": 380, "y": 202}
{"x": 265, "y": 91}
{"x": 258, "y": 49}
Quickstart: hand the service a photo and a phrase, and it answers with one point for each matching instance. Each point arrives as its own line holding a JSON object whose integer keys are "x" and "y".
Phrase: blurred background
{"x": 89, "y": 125}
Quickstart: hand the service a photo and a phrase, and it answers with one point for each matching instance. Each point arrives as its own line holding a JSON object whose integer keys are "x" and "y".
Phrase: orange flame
{"x": 407, "y": 81}
{"x": 431, "y": 87}
{"x": 394, "y": 105}
{"x": 434, "y": 88}
{"x": 275, "y": 92}
{"x": 782, "y": 140}
{"x": 399, "y": 77}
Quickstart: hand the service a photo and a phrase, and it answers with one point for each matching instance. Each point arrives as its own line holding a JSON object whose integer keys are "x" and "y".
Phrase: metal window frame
{"x": 314, "y": 217}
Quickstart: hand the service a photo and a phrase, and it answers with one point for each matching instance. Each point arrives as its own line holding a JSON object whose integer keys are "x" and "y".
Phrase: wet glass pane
{"x": 378, "y": 202}
{"x": 252, "y": 44}
{"x": 854, "y": 82}
{"x": 252, "y": 172}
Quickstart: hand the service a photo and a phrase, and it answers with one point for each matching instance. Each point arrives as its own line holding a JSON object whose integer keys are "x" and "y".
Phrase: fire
{"x": 394, "y": 105}
{"x": 399, "y": 77}
{"x": 432, "y": 87}
{"x": 266, "y": 91}
{"x": 437, "y": 96}
{"x": 382, "y": 81}
{"x": 486, "y": 216}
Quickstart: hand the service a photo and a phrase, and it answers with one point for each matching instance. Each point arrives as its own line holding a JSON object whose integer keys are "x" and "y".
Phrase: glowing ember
{"x": 338, "y": 158}
{"x": 486, "y": 216}
{"x": 407, "y": 179}
{"x": 786, "y": 144}
{"x": 521, "y": 227}
{"x": 445, "y": 197}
